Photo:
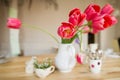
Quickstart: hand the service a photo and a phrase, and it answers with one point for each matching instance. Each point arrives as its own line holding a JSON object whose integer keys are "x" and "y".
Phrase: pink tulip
{"x": 96, "y": 23}
{"x": 92, "y": 9}
{"x": 13, "y": 23}
{"x": 109, "y": 21}
{"x": 93, "y": 16}
{"x": 77, "y": 20}
{"x": 76, "y": 17}
{"x": 66, "y": 30}
{"x": 107, "y": 9}
{"x": 100, "y": 19}
{"x": 74, "y": 11}
{"x": 79, "y": 58}
{"x": 73, "y": 19}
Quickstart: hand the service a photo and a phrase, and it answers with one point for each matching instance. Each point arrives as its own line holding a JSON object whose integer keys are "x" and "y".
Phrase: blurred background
{"x": 48, "y": 14}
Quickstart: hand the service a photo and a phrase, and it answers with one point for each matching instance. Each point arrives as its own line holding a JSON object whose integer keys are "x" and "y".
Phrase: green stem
{"x": 79, "y": 36}
{"x": 82, "y": 26}
{"x": 66, "y": 41}
{"x": 34, "y": 27}
{"x": 88, "y": 24}
{"x": 80, "y": 41}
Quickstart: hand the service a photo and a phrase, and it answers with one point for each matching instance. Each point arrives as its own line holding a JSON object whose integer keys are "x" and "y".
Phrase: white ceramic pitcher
{"x": 65, "y": 59}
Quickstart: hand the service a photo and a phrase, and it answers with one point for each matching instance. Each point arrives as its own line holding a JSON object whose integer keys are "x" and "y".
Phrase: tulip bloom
{"x": 93, "y": 16}
{"x": 13, "y": 23}
{"x": 109, "y": 20}
{"x": 74, "y": 11}
{"x": 79, "y": 58}
{"x": 92, "y": 9}
{"x": 66, "y": 30}
{"x": 97, "y": 22}
{"x": 107, "y": 9}
{"x": 100, "y": 19}
{"x": 76, "y": 17}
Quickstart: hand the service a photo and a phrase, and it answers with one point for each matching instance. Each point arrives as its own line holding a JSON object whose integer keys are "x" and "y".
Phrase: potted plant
{"x": 44, "y": 68}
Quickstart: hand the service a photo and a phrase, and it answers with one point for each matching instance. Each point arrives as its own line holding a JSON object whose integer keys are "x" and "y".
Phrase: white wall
{"x": 106, "y": 38}
{"x": 34, "y": 42}
{"x": 4, "y": 38}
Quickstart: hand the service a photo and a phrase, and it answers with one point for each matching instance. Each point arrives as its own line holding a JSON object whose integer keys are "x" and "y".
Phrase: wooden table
{"x": 15, "y": 70}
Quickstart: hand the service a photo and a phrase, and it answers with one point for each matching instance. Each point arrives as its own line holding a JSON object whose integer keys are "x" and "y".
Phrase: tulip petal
{"x": 74, "y": 11}
{"x": 73, "y": 19}
{"x": 79, "y": 58}
{"x": 92, "y": 8}
{"x": 109, "y": 21}
{"x": 77, "y": 19}
{"x": 107, "y": 9}
{"x": 81, "y": 19}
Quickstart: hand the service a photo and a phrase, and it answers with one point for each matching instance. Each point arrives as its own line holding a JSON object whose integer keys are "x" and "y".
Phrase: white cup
{"x": 95, "y": 66}
{"x": 42, "y": 73}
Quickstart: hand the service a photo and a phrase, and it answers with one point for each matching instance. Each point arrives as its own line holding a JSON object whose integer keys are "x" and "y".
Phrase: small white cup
{"x": 95, "y": 66}
{"x": 42, "y": 73}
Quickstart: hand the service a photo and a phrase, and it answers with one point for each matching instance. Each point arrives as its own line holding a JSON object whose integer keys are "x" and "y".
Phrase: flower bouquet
{"x": 97, "y": 19}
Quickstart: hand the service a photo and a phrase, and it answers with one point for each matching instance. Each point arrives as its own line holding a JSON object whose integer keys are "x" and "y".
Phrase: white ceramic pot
{"x": 65, "y": 59}
{"x": 95, "y": 66}
{"x": 42, "y": 73}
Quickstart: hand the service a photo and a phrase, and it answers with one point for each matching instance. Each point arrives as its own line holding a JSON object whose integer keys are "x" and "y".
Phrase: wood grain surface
{"x": 15, "y": 70}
